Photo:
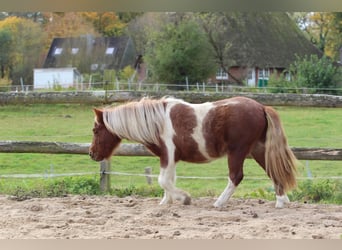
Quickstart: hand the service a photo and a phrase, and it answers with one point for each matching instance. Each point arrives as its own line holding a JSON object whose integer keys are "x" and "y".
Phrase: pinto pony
{"x": 175, "y": 130}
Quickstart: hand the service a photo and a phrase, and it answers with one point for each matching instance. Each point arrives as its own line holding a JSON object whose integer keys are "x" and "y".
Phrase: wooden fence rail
{"x": 126, "y": 149}
{"x": 133, "y": 149}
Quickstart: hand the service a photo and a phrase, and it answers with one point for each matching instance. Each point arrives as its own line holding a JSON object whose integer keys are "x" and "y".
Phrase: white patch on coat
{"x": 201, "y": 110}
{"x": 167, "y": 175}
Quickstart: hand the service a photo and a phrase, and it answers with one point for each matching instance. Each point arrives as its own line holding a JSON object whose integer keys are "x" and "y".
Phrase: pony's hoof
{"x": 187, "y": 200}
{"x": 166, "y": 201}
{"x": 218, "y": 204}
{"x": 281, "y": 201}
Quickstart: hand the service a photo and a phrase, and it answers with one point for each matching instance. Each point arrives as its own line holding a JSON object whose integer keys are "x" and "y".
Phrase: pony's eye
{"x": 95, "y": 131}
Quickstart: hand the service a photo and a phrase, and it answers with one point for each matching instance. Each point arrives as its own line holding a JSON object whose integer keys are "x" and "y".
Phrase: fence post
{"x": 104, "y": 175}
{"x": 148, "y": 173}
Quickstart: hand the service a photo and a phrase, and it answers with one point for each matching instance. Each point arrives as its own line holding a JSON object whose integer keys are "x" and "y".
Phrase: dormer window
{"x": 74, "y": 51}
{"x": 58, "y": 51}
{"x": 110, "y": 51}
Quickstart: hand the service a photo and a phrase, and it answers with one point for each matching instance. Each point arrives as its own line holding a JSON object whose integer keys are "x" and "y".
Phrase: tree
{"x": 33, "y": 16}
{"x": 5, "y": 48}
{"x": 217, "y": 25}
{"x": 334, "y": 43}
{"x": 142, "y": 28}
{"x": 179, "y": 51}
{"x": 127, "y": 17}
{"x": 323, "y": 29}
{"x": 106, "y": 23}
{"x": 68, "y": 24}
{"x": 26, "y": 47}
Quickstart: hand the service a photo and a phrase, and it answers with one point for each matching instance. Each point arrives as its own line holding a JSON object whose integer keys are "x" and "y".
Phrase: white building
{"x": 48, "y": 78}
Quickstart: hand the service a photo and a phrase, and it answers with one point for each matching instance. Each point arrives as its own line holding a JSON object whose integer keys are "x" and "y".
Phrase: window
{"x": 288, "y": 76}
{"x": 221, "y": 75}
{"x": 250, "y": 74}
{"x": 74, "y": 51}
{"x": 94, "y": 66}
{"x": 110, "y": 51}
{"x": 264, "y": 73}
{"x": 58, "y": 51}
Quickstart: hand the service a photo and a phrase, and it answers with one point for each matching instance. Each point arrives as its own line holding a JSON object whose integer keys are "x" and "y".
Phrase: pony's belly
{"x": 196, "y": 158}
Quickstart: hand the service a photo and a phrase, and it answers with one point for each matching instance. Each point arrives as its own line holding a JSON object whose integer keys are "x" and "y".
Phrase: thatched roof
{"x": 262, "y": 39}
{"x": 89, "y": 53}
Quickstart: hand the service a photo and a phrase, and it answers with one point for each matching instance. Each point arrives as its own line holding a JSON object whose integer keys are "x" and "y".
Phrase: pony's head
{"x": 104, "y": 142}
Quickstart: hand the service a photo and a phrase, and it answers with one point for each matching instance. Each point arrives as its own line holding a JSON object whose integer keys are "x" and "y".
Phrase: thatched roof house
{"x": 263, "y": 43}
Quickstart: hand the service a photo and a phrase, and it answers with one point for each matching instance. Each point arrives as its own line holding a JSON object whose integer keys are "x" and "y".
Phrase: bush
{"x": 314, "y": 72}
{"x": 126, "y": 73}
{"x": 145, "y": 191}
{"x": 5, "y": 84}
{"x": 325, "y": 191}
{"x": 279, "y": 84}
{"x": 58, "y": 188}
{"x": 260, "y": 193}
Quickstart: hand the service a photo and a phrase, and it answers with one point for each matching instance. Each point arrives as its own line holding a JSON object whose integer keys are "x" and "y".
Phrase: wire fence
{"x": 56, "y": 175}
{"x": 159, "y": 87}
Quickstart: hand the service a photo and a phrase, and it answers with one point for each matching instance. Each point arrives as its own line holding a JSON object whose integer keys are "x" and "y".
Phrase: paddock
{"x": 108, "y": 217}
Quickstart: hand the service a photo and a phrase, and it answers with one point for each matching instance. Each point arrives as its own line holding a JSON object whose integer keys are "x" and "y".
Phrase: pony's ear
{"x": 99, "y": 115}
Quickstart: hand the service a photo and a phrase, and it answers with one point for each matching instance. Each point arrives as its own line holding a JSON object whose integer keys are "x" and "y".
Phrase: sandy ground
{"x": 107, "y": 217}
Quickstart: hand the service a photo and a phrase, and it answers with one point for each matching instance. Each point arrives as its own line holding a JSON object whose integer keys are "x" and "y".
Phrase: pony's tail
{"x": 280, "y": 160}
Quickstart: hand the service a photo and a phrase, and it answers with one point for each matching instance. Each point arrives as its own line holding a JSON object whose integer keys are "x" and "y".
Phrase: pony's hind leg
{"x": 258, "y": 153}
{"x": 235, "y": 164}
{"x": 281, "y": 197}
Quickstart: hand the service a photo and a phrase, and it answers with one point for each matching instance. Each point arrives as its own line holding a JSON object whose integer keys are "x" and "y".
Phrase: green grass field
{"x": 305, "y": 127}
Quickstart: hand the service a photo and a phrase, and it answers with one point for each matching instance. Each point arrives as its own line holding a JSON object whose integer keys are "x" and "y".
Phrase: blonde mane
{"x": 141, "y": 121}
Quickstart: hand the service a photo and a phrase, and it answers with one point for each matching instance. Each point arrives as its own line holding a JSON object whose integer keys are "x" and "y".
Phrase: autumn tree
{"x": 105, "y": 23}
{"x": 37, "y": 17}
{"x": 323, "y": 29}
{"x": 5, "y": 49}
{"x": 334, "y": 43}
{"x": 25, "y": 49}
{"x": 68, "y": 24}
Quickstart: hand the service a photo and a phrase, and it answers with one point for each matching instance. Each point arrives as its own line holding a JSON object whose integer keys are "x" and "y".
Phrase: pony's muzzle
{"x": 93, "y": 156}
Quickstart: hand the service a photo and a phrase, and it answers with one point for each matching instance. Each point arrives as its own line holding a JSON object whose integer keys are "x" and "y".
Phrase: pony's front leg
{"x": 166, "y": 180}
{"x": 167, "y": 198}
